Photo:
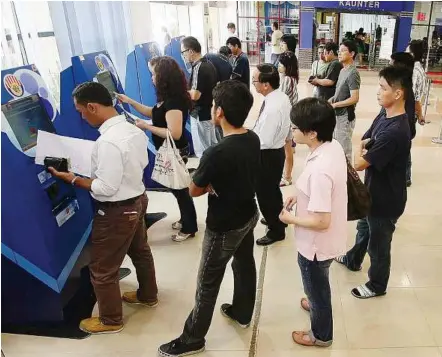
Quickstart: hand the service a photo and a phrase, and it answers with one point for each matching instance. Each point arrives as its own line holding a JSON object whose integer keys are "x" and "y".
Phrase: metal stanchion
{"x": 438, "y": 140}
{"x": 427, "y": 97}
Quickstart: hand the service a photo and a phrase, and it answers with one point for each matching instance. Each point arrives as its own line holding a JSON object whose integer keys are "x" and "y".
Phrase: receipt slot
{"x": 45, "y": 222}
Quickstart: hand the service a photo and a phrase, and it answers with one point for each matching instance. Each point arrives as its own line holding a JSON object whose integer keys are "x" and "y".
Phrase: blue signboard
{"x": 381, "y": 6}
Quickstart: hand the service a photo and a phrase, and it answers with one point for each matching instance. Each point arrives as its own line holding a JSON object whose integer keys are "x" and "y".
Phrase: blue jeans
{"x": 315, "y": 278}
{"x": 374, "y": 235}
{"x": 218, "y": 249}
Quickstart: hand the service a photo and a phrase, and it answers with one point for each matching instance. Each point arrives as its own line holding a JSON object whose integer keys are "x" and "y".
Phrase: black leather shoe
{"x": 263, "y": 221}
{"x": 267, "y": 241}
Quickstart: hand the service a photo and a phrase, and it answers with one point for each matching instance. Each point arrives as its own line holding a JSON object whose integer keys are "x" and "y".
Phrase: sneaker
{"x": 178, "y": 348}
{"x": 94, "y": 326}
{"x": 226, "y": 312}
{"x": 180, "y": 237}
{"x": 285, "y": 182}
{"x": 177, "y": 226}
{"x": 131, "y": 297}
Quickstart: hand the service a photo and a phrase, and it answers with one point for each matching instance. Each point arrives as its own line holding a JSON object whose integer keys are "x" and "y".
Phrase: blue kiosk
{"x": 139, "y": 87}
{"x": 45, "y": 222}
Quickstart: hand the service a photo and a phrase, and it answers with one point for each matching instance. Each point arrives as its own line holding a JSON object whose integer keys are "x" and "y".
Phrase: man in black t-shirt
{"x": 202, "y": 81}
{"x": 224, "y": 71}
{"x": 326, "y": 87}
{"x": 385, "y": 164}
{"x": 240, "y": 61}
{"x": 227, "y": 172}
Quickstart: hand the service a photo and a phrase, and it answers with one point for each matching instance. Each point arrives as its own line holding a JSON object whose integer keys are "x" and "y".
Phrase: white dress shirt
{"x": 118, "y": 161}
{"x": 273, "y": 125}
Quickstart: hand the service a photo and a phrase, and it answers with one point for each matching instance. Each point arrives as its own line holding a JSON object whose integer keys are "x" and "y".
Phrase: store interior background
{"x": 65, "y": 29}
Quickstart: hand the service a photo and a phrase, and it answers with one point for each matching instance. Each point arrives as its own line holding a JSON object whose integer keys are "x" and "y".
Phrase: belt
{"x": 127, "y": 202}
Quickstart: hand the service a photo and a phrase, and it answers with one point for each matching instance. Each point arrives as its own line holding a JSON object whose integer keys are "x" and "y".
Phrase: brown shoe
{"x": 131, "y": 297}
{"x": 94, "y": 326}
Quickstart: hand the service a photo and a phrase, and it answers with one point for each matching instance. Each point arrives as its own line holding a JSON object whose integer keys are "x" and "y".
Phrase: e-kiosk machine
{"x": 139, "y": 86}
{"x": 99, "y": 67}
{"x": 45, "y": 222}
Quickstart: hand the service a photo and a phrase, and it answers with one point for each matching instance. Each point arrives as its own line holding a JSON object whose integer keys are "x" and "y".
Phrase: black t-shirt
{"x": 203, "y": 78}
{"x": 159, "y": 119}
{"x": 222, "y": 65}
{"x": 241, "y": 69}
{"x": 386, "y": 175}
{"x": 332, "y": 73}
{"x": 231, "y": 167}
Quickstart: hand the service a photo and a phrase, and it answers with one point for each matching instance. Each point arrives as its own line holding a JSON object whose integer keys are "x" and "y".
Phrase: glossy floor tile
{"x": 407, "y": 322}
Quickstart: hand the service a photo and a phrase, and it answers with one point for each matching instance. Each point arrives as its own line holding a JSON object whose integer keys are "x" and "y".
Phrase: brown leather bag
{"x": 359, "y": 200}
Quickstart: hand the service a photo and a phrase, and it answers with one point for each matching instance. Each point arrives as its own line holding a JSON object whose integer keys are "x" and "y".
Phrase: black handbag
{"x": 359, "y": 200}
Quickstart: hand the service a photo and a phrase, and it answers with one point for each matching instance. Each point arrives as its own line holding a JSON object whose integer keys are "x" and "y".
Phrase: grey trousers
{"x": 203, "y": 135}
{"x": 343, "y": 134}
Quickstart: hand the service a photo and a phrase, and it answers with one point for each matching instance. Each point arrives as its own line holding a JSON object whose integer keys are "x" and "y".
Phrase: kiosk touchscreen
{"x": 105, "y": 78}
{"x": 26, "y": 116}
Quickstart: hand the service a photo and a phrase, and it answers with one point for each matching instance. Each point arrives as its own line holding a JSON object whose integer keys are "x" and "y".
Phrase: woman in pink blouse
{"x": 320, "y": 217}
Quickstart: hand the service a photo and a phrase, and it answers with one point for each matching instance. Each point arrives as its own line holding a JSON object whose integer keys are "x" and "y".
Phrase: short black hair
{"x": 351, "y": 46}
{"x": 225, "y": 50}
{"x": 191, "y": 43}
{"x": 92, "y": 92}
{"x": 291, "y": 42}
{"x": 417, "y": 49}
{"x": 314, "y": 114}
{"x": 331, "y": 46}
{"x": 398, "y": 77}
{"x": 231, "y": 25}
{"x": 275, "y": 25}
{"x": 235, "y": 100}
{"x": 403, "y": 58}
{"x": 268, "y": 74}
{"x": 234, "y": 41}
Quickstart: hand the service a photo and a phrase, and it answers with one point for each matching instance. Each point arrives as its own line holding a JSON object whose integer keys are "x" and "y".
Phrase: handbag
{"x": 170, "y": 169}
{"x": 359, "y": 200}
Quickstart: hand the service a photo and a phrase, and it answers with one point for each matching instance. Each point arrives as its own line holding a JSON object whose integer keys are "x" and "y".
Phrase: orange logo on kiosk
{"x": 13, "y": 85}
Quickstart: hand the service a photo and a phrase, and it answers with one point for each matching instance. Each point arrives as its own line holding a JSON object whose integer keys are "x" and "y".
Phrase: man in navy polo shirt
{"x": 385, "y": 165}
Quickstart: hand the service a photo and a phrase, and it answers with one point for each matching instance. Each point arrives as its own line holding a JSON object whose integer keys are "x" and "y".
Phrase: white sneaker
{"x": 180, "y": 237}
{"x": 177, "y": 226}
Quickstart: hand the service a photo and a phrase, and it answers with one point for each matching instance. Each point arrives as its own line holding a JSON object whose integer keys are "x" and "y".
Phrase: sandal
{"x": 363, "y": 292}
{"x": 305, "y": 304}
{"x": 306, "y": 338}
{"x": 342, "y": 259}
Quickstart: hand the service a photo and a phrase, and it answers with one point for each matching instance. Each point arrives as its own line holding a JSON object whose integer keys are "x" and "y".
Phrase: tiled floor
{"x": 407, "y": 322}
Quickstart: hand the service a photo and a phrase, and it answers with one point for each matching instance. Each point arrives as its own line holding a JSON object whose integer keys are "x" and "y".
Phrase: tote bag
{"x": 170, "y": 169}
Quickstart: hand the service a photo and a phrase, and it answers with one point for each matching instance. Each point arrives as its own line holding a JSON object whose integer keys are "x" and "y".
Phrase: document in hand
{"x": 78, "y": 151}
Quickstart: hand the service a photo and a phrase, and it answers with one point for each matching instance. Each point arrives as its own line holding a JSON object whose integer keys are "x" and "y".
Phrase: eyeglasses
{"x": 183, "y": 52}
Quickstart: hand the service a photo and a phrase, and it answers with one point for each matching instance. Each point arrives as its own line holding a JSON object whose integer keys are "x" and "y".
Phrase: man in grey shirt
{"x": 346, "y": 97}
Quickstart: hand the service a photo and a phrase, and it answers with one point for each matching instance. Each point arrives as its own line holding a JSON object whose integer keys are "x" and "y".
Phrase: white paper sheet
{"x": 78, "y": 151}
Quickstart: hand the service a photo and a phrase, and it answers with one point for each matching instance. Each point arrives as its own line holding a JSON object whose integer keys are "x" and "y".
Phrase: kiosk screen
{"x": 105, "y": 78}
{"x": 26, "y": 117}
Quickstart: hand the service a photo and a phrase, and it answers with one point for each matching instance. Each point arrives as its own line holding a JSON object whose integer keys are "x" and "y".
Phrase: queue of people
{"x": 238, "y": 164}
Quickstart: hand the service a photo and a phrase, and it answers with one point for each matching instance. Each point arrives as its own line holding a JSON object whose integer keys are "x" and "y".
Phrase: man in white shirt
{"x": 276, "y": 42}
{"x": 116, "y": 184}
{"x": 273, "y": 128}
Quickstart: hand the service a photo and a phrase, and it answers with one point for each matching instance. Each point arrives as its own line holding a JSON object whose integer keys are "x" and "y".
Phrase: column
{"x": 306, "y": 16}
{"x": 404, "y": 28}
